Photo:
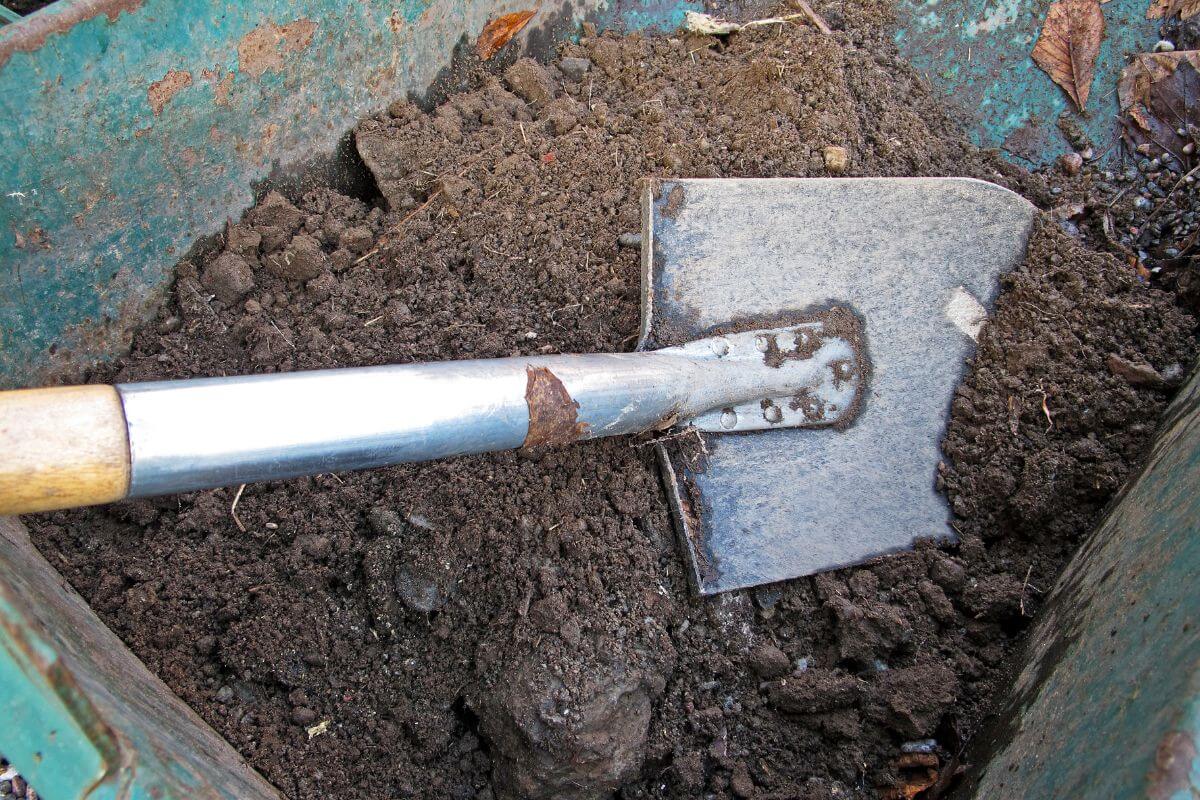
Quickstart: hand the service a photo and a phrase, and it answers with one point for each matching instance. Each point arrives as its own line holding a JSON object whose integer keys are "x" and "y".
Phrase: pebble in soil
{"x": 538, "y": 600}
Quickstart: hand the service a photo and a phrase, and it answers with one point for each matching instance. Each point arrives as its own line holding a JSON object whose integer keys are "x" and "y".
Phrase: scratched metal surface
{"x": 779, "y": 504}
{"x": 1108, "y": 701}
{"x": 975, "y": 54}
{"x": 82, "y": 716}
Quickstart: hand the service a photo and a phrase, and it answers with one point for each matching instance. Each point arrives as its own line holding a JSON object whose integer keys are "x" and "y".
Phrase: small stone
{"x": 530, "y": 81}
{"x": 630, "y": 240}
{"x": 303, "y": 259}
{"x": 1135, "y": 373}
{"x": 561, "y": 122}
{"x": 1142, "y": 203}
{"x": 837, "y": 159}
{"x": 321, "y": 287}
{"x": 530, "y": 335}
{"x": 275, "y": 210}
{"x": 206, "y": 644}
{"x": 574, "y": 68}
{"x": 341, "y": 260}
{"x": 225, "y": 695}
{"x": 454, "y": 187}
{"x": 302, "y": 715}
{"x": 418, "y": 592}
{"x": 317, "y": 546}
{"x": 357, "y": 239}
{"x": 768, "y": 662}
{"x": 1070, "y": 163}
{"x": 229, "y": 277}
{"x": 948, "y": 573}
{"x": 921, "y": 746}
{"x": 169, "y": 325}
{"x": 243, "y": 241}
{"x": 1164, "y": 46}
{"x": 740, "y": 781}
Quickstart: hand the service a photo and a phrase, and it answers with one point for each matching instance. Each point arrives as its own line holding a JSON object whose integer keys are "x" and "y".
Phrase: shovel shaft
{"x": 197, "y": 434}
{"x": 84, "y": 445}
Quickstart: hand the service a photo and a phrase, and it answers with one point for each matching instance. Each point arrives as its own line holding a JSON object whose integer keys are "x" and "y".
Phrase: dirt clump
{"x": 444, "y": 618}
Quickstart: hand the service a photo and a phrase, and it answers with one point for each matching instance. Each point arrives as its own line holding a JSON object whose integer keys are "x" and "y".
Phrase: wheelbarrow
{"x": 103, "y": 194}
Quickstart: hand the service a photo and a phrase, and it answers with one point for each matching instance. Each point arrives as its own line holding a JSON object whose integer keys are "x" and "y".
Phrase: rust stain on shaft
{"x": 553, "y": 414}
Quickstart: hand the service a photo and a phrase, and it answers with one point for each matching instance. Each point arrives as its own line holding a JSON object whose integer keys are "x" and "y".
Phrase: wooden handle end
{"x": 62, "y": 447}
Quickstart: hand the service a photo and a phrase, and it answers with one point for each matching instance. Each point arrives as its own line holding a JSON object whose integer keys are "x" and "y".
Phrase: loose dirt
{"x": 520, "y": 623}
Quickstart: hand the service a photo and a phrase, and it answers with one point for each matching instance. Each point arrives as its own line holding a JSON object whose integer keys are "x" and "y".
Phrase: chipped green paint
{"x": 137, "y": 127}
{"x": 976, "y": 55}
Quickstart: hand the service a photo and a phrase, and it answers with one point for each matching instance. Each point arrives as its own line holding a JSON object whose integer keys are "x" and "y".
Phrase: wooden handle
{"x": 61, "y": 448}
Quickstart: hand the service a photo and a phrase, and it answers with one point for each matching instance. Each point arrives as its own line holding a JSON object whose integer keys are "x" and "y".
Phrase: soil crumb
{"x": 519, "y": 624}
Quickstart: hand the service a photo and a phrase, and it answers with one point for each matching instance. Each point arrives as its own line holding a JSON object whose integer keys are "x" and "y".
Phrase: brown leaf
{"x": 1159, "y": 95}
{"x": 912, "y": 786}
{"x": 1169, "y": 8}
{"x": 1068, "y": 46}
{"x": 497, "y": 32}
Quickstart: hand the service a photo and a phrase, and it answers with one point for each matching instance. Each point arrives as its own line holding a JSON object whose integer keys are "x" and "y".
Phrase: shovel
{"x": 802, "y": 338}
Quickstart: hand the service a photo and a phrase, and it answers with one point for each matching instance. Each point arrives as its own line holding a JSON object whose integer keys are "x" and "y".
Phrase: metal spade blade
{"x": 917, "y": 261}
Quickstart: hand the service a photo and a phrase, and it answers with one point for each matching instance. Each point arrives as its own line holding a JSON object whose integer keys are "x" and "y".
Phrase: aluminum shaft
{"x": 195, "y": 434}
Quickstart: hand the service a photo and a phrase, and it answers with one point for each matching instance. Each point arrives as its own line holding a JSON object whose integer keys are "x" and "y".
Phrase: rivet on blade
{"x": 728, "y": 419}
{"x": 720, "y": 347}
{"x": 773, "y": 414}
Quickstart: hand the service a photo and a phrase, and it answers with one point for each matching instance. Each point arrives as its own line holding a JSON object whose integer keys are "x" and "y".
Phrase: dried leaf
{"x": 1160, "y": 96}
{"x": 912, "y": 786}
{"x": 1170, "y": 8}
{"x": 499, "y": 31}
{"x": 1068, "y": 46}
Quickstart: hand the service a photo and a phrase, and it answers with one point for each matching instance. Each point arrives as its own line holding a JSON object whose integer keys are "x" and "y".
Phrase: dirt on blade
{"x": 520, "y": 624}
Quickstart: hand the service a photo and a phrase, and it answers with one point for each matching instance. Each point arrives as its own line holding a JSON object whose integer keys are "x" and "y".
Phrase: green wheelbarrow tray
{"x": 135, "y": 128}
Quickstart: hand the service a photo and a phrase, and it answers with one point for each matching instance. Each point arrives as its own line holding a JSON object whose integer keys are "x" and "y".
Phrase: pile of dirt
{"x": 520, "y": 623}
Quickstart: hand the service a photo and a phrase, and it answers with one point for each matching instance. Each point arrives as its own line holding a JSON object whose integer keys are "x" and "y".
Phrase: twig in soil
{"x": 281, "y": 336}
{"x": 233, "y": 508}
{"x": 1025, "y": 586}
{"x": 372, "y": 321}
{"x": 1046, "y": 409}
{"x": 386, "y": 240}
{"x": 813, "y": 17}
{"x": 524, "y": 138}
{"x": 669, "y": 437}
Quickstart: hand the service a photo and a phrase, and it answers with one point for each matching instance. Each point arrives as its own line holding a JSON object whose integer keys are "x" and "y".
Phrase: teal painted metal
{"x": 83, "y": 718}
{"x": 139, "y": 126}
{"x": 1108, "y": 703}
{"x": 136, "y": 127}
{"x": 8, "y": 15}
{"x": 975, "y": 53}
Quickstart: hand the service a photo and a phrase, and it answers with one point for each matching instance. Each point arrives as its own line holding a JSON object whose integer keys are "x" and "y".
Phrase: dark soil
{"x": 26, "y": 6}
{"x": 520, "y": 623}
